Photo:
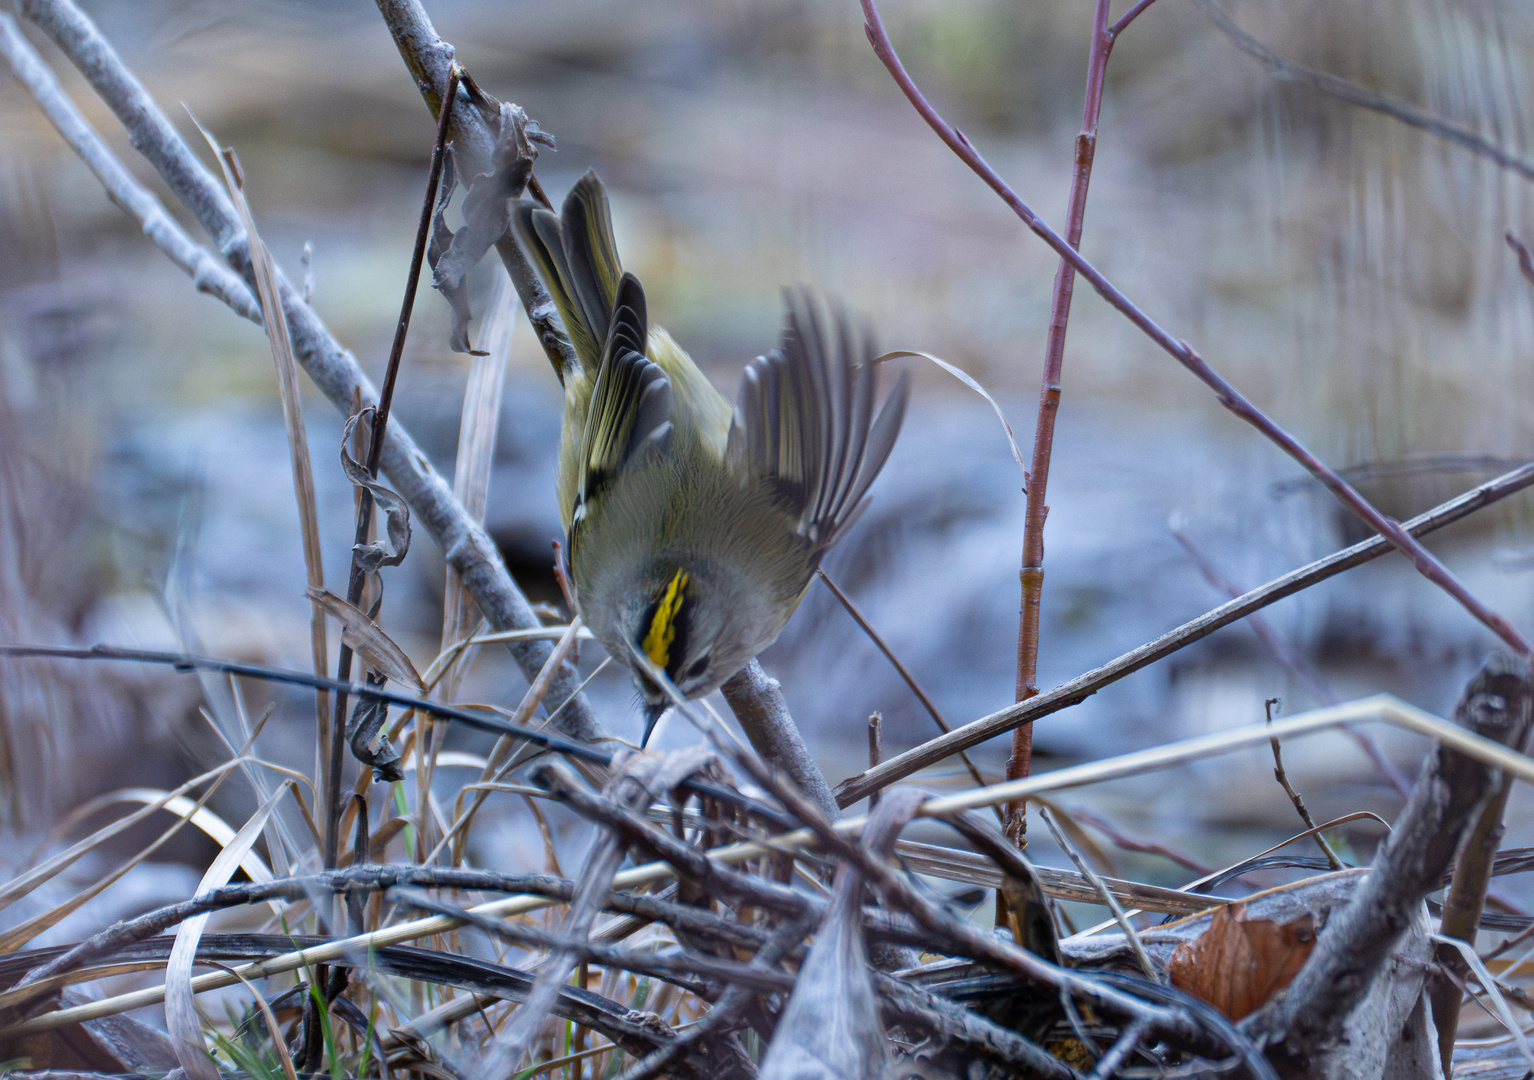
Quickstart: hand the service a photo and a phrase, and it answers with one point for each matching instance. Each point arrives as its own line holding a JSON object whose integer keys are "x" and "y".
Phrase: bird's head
{"x": 697, "y": 627}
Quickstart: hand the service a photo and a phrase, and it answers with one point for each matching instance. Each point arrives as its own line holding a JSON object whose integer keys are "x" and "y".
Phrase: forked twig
{"x": 905, "y": 674}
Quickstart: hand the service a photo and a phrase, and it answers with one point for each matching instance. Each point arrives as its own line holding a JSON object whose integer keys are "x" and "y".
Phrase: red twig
{"x": 1424, "y": 561}
{"x": 1031, "y": 574}
{"x": 1125, "y": 19}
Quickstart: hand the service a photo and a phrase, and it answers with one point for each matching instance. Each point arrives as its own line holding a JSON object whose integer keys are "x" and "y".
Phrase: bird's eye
{"x": 696, "y": 668}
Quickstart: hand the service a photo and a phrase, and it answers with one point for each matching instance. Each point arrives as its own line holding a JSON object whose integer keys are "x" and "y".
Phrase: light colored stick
{"x": 205, "y": 271}
{"x": 465, "y": 544}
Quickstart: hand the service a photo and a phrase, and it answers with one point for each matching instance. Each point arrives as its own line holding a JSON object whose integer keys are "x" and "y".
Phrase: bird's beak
{"x": 652, "y": 715}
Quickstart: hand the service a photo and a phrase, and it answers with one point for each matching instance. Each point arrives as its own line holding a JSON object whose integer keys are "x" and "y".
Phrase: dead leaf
{"x": 381, "y": 553}
{"x": 368, "y": 640}
{"x": 1239, "y": 963}
{"x": 486, "y": 214}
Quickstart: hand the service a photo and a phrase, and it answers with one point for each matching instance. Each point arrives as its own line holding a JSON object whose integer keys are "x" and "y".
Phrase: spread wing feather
{"x": 631, "y": 402}
{"x": 804, "y": 421}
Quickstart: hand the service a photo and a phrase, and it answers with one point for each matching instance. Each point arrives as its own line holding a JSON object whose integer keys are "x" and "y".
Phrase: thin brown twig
{"x": 1232, "y": 399}
{"x": 875, "y": 749}
{"x": 358, "y": 577}
{"x": 1282, "y": 776}
{"x": 910, "y": 680}
{"x": 1128, "y": 17}
{"x": 1083, "y": 686}
{"x": 1146, "y": 847}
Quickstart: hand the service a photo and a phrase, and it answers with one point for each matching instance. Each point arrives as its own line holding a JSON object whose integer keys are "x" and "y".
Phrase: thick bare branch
{"x": 757, "y": 701}
{"x": 1303, "y": 1028}
{"x": 334, "y": 370}
{"x": 207, "y": 274}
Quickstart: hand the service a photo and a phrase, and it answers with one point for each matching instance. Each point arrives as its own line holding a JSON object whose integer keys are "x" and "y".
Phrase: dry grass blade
{"x": 25, "y": 883}
{"x": 187, "y": 812}
{"x": 1103, "y": 891}
{"x": 1232, "y": 871}
{"x": 501, "y": 757}
{"x": 636, "y": 781}
{"x": 275, "y": 320}
{"x": 1377, "y": 708}
{"x": 269, "y": 1018}
{"x": 181, "y": 1017}
{"x": 476, "y": 451}
{"x": 1493, "y": 991}
{"x": 971, "y": 868}
{"x": 969, "y": 380}
{"x": 217, "y": 829}
{"x": 366, "y": 638}
{"x": 1383, "y": 708}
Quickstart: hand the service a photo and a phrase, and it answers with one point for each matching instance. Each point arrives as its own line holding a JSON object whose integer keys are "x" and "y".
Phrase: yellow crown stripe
{"x": 657, "y": 640}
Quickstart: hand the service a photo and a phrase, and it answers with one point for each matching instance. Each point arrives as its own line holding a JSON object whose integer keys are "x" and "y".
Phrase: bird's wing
{"x": 631, "y": 403}
{"x": 576, "y": 256}
{"x": 805, "y": 425}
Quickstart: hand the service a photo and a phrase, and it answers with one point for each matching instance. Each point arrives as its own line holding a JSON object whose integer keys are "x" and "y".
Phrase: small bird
{"x": 694, "y": 530}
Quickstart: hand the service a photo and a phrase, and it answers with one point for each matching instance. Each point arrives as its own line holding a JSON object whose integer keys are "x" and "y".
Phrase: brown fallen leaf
{"x": 1239, "y": 963}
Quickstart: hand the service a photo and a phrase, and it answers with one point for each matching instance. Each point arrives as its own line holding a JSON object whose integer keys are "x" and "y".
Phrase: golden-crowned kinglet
{"x": 694, "y": 530}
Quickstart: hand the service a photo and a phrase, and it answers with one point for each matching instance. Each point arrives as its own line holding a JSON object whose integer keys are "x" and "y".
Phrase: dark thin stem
{"x": 1282, "y": 776}
{"x": 481, "y": 721}
{"x": 1231, "y": 398}
{"x": 910, "y": 680}
{"x": 358, "y": 578}
{"x": 1031, "y": 573}
{"x": 875, "y": 749}
{"x": 1290, "y": 658}
{"x": 1129, "y": 843}
{"x": 1525, "y": 258}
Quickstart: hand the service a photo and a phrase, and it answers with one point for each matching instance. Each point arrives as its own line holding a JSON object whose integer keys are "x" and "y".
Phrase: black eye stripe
{"x": 698, "y": 667}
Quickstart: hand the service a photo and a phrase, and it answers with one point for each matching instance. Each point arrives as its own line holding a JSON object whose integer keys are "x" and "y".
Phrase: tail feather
{"x": 575, "y": 254}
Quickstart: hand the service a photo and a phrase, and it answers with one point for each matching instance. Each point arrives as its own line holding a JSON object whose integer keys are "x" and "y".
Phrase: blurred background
{"x": 1348, "y": 273}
